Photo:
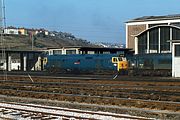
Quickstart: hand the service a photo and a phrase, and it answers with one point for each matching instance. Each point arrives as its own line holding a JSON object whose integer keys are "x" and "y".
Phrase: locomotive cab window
{"x": 114, "y": 60}
{"x": 119, "y": 59}
{"x": 177, "y": 50}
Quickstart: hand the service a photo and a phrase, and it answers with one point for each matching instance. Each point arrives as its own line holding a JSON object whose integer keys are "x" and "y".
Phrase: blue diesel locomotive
{"x": 143, "y": 65}
{"x": 85, "y": 63}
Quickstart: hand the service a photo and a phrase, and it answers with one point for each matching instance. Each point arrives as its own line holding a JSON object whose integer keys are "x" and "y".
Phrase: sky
{"x": 92, "y": 20}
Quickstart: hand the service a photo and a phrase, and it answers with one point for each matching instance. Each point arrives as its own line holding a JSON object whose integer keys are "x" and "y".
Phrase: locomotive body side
{"x": 81, "y": 63}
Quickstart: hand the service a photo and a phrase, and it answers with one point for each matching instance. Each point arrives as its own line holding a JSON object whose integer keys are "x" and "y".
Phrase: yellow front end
{"x": 122, "y": 65}
{"x": 121, "y": 62}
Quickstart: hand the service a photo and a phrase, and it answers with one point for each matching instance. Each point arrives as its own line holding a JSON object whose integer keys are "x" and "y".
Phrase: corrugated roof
{"x": 156, "y": 18}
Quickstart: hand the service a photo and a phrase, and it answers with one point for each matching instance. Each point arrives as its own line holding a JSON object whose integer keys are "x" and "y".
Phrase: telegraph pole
{"x": 2, "y": 40}
{"x": 4, "y": 13}
{"x": 2, "y": 29}
{"x": 32, "y": 41}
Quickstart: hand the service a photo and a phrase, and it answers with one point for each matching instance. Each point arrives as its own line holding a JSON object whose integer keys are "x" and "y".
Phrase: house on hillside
{"x": 31, "y": 31}
{"x": 11, "y": 31}
{"x": 37, "y": 31}
{"x": 22, "y": 31}
{"x": 42, "y": 31}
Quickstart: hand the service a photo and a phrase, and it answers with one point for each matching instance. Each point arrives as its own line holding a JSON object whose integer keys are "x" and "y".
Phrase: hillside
{"x": 56, "y": 39}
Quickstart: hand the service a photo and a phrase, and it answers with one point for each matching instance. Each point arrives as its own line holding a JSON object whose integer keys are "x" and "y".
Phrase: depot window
{"x": 177, "y": 50}
{"x": 165, "y": 36}
{"x": 153, "y": 40}
{"x": 57, "y": 52}
{"x": 70, "y": 52}
{"x": 142, "y": 46}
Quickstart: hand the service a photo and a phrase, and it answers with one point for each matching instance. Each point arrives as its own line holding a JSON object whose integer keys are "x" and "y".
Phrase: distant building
{"x": 42, "y": 31}
{"x": 22, "y": 31}
{"x": 46, "y": 32}
{"x": 150, "y": 34}
{"x": 37, "y": 32}
{"x": 11, "y": 31}
{"x": 31, "y": 31}
{"x": 25, "y": 31}
{"x": 52, "y": 34}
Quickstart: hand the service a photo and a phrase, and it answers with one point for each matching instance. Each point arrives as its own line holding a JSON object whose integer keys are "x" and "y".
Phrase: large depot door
{"x": 176, "y": 60}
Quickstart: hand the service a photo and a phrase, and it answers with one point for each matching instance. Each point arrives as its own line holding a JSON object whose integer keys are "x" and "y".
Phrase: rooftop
{"x": 91, "y": 48}
{"x": 155, "y": 18}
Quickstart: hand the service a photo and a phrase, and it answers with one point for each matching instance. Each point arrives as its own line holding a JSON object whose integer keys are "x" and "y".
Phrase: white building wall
{"x": 11, "y": 31}
{"x": 136, "y": 45}
{"x": 46, "y": 33}
{"x": 15, "y": 66}
{"x": 12, "y": 65}
{"x": 175, "y": 62}
{"x": 126, "y": 35}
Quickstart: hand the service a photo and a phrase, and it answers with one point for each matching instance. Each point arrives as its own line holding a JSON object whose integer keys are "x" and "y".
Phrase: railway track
{"x": 96, "y": 83}
{"x": 162, "y": 93}
{"x": 31, "y": 111}
{"x": 156, "y": 95}
{"x": 45, "y": 75}
{"x": 161, "y": 105}
{"x": 100, "y": 87}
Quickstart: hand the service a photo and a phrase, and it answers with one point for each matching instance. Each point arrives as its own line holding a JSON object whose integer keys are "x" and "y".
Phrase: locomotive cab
{"x": 121, "y": 63}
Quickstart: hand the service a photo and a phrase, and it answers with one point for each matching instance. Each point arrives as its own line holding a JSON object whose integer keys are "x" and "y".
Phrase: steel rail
{"x": 78, "y": 111}
{"x": 50, "y": 93}
{"x": 68, "y": 110}
{"x": 89, "y": 84}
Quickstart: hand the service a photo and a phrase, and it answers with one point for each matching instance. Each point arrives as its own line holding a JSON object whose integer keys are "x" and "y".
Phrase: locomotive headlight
{"x": 133, "y": 64}
{"x": 115, "y": 64}
{"x": 141, "y": 65}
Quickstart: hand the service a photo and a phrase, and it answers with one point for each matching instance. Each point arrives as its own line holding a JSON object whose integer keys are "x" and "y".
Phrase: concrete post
{"x": 9, "y": 63}
{"x": 136, "y": 45}
{"x": 173, "y": 73}
{"x": 77, "y": 51}
{"x": 39, "y": 63}
{"x": 25, "y": 63}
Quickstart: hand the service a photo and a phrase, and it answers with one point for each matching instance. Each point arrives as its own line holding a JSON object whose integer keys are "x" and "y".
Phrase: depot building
{"x": 150, "y": 34}
{"x": 156, "y": 34}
